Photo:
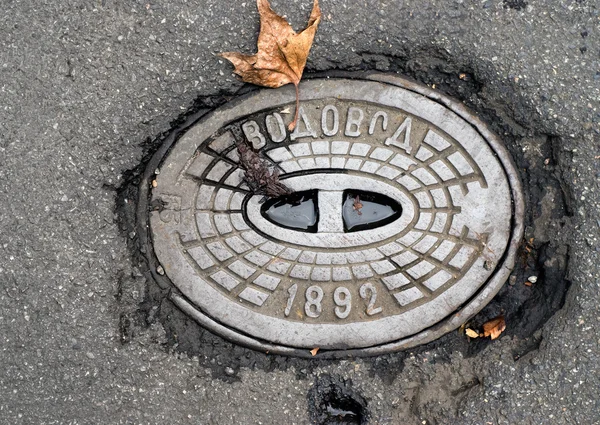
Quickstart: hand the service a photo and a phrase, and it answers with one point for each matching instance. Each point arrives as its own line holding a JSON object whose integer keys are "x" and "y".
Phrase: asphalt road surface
{"x": 88, "y": 88}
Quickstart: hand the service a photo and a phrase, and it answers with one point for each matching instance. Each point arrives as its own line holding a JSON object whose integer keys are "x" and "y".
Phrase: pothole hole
{"x": 333, "y": 401}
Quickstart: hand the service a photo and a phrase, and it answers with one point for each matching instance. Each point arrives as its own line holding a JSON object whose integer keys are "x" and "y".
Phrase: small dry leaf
{"x": 154, "y": 183}
{"x": 494, "y": 327}
{"x": 528, "y": 283}
{"x": 314, "y": 351}
{"x": 357, "y": 205}
{"x": 471, "y": 333}
{"x": 282, "y": 53}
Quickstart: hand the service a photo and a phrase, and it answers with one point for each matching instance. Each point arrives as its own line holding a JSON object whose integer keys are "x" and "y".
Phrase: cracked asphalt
{"x": 86, "y": 88}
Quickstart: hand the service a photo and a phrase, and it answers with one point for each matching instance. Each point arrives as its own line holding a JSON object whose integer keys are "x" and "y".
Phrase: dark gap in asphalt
{"x": 526, "y": 308}
{"x": 332, "y": 400}
{"x": 543, "y": 255}
{"x": 515, "y": 4}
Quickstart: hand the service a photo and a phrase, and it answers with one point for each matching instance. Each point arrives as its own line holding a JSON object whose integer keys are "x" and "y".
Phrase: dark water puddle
{"x": 368, "y": 210}
{"x": 361, "y": 210}
{"x": 296, "y": 211}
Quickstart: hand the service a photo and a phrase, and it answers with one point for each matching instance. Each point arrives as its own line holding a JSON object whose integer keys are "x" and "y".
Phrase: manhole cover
{"x": 404, "y": 220}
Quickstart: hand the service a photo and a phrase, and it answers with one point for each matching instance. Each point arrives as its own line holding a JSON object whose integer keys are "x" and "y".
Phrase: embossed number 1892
{"x": 341, "y": 297}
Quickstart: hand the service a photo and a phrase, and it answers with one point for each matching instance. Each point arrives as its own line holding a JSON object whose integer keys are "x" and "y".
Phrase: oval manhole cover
{"x": 403, "y": 222}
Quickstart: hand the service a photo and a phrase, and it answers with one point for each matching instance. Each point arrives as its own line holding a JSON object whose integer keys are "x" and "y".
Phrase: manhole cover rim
{"x": 471, "y": 307}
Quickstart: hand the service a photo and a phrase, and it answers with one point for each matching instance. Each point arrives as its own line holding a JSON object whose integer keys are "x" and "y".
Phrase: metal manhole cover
{"x": 404, "y": 221}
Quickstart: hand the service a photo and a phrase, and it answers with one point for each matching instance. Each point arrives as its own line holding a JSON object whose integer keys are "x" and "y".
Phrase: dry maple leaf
{"x": 494, "y": 327}
{"x": 281, "y": 55}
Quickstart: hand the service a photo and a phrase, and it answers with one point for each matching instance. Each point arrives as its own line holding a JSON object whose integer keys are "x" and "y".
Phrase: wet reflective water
{"x": 360, "y": 210}
{"x": 368, "y": 210}
{"x": 296, "y": 211}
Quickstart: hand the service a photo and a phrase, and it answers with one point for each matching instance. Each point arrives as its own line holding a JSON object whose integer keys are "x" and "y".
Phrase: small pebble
{"x": 120, "y": 38}
{"x": 90, "y": 355}
{"x": 532, "y": 279}
{"x": 512, "y": 280}
{"x": 160, "y": 270}
{"x": 229, "y": 371}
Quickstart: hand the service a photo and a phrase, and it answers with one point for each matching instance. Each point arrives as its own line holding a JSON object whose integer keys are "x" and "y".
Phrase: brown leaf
{"x": 494, "y": 327}
{"x": 314, "y": 351}
{"x": 357, "y": 205}
{"x": 471, "y": 333}
{"x": 282, "y": 53}
{"x": 258, "y": 176}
